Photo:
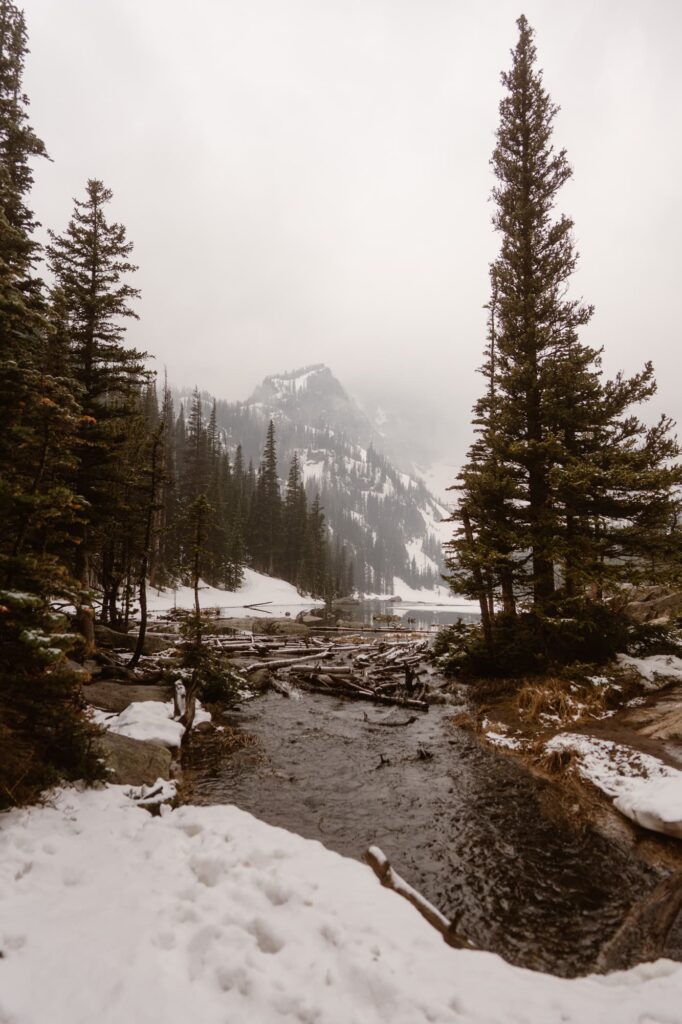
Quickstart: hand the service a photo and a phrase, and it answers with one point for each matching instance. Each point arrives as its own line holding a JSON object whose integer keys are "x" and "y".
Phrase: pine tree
{"x": 18, "y": 146}
{"x": 564, "y": 489}
{"x": 295, "y": 513}
{"x": 90, "y": 262}
{"x": 316, "y": 556}
{"x": 265, "y": 515}
{"x": 43, "y": 733}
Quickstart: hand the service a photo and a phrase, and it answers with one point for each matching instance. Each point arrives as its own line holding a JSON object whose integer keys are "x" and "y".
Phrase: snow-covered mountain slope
{"x": 256, "y": 591}
{"x": 389, "y": 523}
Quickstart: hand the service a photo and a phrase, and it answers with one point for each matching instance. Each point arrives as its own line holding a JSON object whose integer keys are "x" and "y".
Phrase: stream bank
{"x": 495, "y": 849}
{"x": 511, "y": 857}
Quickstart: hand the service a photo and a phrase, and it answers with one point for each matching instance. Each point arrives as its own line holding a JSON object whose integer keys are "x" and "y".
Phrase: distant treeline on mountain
{"x": 383, "y": 523}
{"x": 249, "y": 519}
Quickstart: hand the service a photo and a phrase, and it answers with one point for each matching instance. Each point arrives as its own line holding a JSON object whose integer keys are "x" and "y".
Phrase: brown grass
{"x": 463, "y": 720}
{"x": 555, "y": 761}
{"x": 549, "y": 697}
{"x": 565, "y": 700}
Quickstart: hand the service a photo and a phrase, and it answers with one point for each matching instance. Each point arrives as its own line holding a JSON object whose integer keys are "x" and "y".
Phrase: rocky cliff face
{"x": 388, "y": 521}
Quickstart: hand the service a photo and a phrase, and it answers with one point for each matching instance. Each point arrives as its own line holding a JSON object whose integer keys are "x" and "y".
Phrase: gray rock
{"x": 79, "y": 671}
{"x": 260, "y": 679}
{"x": 133, "y": 762}
{"x": 117, "y": 696}
{"x": 655, "y": 606}
{"x": 152, "y": 644}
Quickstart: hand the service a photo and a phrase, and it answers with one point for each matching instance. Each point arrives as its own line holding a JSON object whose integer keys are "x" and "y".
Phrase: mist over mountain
{"x": 387, "y": 519}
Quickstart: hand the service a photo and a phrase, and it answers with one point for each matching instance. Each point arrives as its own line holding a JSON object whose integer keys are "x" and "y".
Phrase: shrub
{"x": 530, "y": 643}
{"x": 45, "y": 736}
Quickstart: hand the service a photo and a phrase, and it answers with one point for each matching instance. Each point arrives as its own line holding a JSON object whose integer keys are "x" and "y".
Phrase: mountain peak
{"x": 312, "y": 395}
{"x": 281, "y": 387}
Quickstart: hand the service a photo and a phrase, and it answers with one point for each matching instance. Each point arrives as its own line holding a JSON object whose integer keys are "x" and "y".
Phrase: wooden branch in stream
{"x": 381, "y": 866}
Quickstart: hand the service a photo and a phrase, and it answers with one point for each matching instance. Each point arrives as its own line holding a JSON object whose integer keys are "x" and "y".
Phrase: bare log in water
{"x": 381, "y": 866}
{"x": 286, "y": 662}
{"x": 358, "y": 692}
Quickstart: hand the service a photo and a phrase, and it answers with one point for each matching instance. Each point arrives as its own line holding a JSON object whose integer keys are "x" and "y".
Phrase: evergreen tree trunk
{"x": 148, "y": 536}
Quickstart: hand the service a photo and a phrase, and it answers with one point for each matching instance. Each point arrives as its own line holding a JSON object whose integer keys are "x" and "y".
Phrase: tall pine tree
{"x": 564, "y": 489}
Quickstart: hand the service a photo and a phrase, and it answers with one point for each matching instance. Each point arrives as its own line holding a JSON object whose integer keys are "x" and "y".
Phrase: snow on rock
{"x": 656, "y": 669}
{"x": 643, "y": 788}
{"x": 207, "y": 914}
{"x": 256, "y": 588}
{"x": 655, "y": 804}
{"x": 149, "y": 720}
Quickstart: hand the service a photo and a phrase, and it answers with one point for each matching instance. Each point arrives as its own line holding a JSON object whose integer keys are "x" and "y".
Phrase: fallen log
{"x": 361, "y": 693}
{"x": 390, "y": 879}
{"x": 285, "y": 662}
{"x": 329, "y": 670}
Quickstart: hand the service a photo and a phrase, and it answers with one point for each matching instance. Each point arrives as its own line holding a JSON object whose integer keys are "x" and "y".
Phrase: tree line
{"x": 101, "y": 489}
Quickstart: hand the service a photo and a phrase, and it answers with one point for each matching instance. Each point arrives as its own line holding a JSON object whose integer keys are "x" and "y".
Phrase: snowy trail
{"x": 207, "y": 914}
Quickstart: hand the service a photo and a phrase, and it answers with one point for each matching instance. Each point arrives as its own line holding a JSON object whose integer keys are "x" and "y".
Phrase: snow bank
{"x": 436, "y": 596}
{"x": 643, "y": 788}
{"x": 255, "y": 589}
{"x": 148, "y": 720}
{"x": 207, "y": 914}
{"x": 655, "y": 804}
{"x": 657, "y": 669}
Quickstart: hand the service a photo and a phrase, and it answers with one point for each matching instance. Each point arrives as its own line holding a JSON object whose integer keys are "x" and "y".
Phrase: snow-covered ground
{"x": 207, "y": 914}
{"x": 438, "y": 477}
{"x": 257, "y": 588}
{"x": 642, "y": 787}
{"x": 280, "y": 597}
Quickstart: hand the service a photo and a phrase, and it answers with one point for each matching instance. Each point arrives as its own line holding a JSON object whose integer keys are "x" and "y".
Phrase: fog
{"x": 308, "y": 180}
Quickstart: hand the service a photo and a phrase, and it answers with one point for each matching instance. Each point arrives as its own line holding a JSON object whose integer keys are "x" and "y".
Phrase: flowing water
{"x": 477, "y": 834}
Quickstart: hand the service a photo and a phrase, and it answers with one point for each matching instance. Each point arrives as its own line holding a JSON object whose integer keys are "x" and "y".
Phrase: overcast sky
{"x": 308, "y": 180}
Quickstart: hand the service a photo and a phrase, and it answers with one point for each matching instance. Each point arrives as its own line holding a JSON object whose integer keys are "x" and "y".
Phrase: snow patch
{"x": 207, "y": 914}
{"x": 657, "y": 669}
{"x": 642, "y": 787}
{"x": 256, "y": 588}
{"x": 148, "y": 720}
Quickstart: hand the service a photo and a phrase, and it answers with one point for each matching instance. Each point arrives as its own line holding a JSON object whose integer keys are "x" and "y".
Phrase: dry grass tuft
{"x": 548, "y": 697}
{"x": 555, "y": 761}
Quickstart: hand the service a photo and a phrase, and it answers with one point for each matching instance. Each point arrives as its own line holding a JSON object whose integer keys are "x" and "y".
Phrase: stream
{"x": 471, "y": 829}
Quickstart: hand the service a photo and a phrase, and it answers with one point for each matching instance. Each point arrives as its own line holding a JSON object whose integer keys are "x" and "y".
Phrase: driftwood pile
{"x": 383, "y": 671}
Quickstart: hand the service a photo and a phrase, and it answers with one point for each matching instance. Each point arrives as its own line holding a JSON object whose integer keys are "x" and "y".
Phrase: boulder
{"x": 117, "y": 696}
{"x": 133, "y": 762}
{"x": 77, "y": 670}
{"x": 655, "y": 606}
{"x": 311, "y": 620}
{"x": 260, "y": 679}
